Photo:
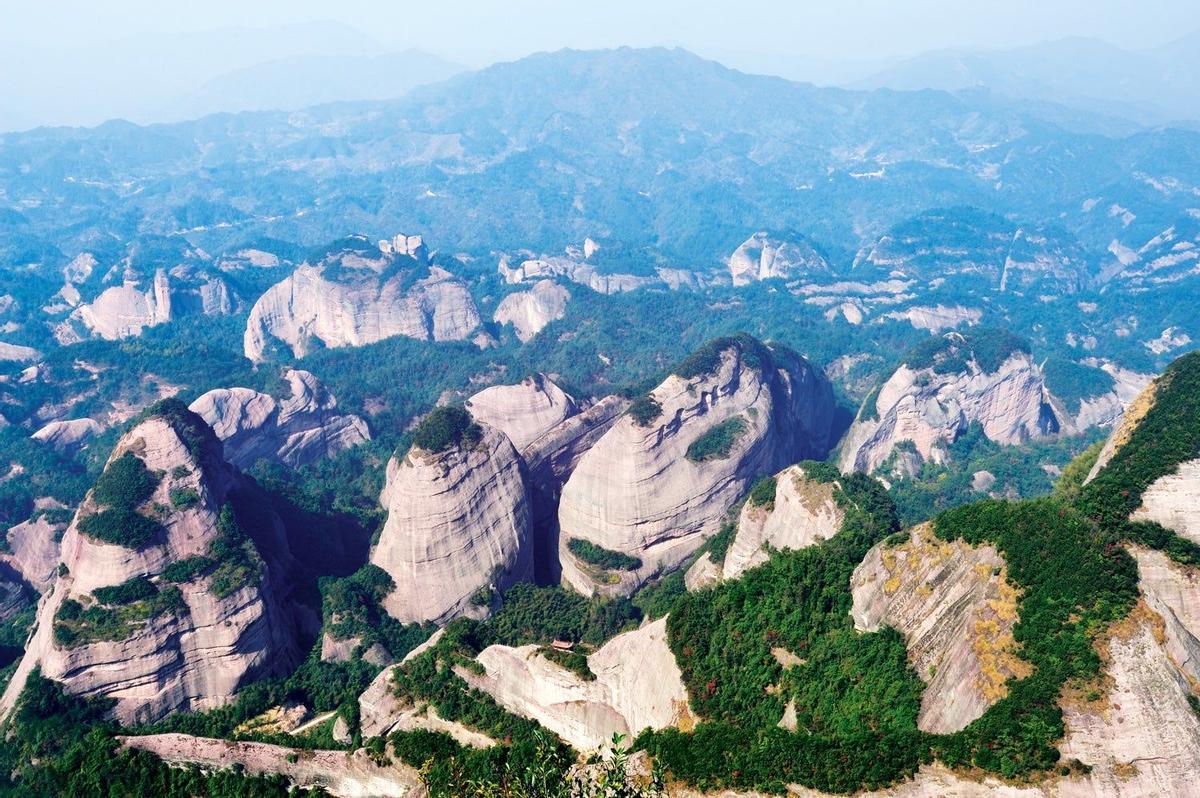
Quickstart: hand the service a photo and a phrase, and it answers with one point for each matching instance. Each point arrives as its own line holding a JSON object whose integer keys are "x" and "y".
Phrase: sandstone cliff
{"x": 360, "y": 294}
{"x": 928, "y": 408}
{"x": 525, "y": 411}
{"x": 956, "y": 610}
{"x": 762, "y": 257}
{"x": 151, "y": 624}
{"x": 458, "y": 528}
{"x": 343, "y": 774}
{"x": 302, "y": 427}
{"x": 801, "y": 513}
{"x": 530, "y": 311}
{"x": 142, "y": 300}
{"x": 638, "y": 685}
{"x": 742, "y": 411}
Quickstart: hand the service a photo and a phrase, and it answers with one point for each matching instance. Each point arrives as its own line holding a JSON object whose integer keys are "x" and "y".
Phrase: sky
{"x": 470, "y": 30}
{"x": 71, "y": 62}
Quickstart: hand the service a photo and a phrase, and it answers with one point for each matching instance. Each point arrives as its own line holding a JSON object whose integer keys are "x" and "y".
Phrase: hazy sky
{"x": 79, "y": 62}
{"x": 474, "y": 30}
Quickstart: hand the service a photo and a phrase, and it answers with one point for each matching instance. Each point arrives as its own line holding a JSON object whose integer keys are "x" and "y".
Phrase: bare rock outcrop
{"x": 762, "y": 257}
{"x": 68, "y": 436}
{"x": 345, "y": 774}
{"x": 530, "y": 311}
{"x": 525, "y": 411}
{"x": 302, "y": 427}
{"x": 744, "y": 410}
{"x": 802, "y": 512}
{"x": 1173, "y": 500}
{"x": 956, "y": 610}
{"x": 360, "y": 294}
{"x": 638, "y": 685}
{"x": 928, "y": 409}
{"x": 177, "y": 633}
{"x": 458, "y": 527}
{"x": 35, "y": 549}
{"x": 143, "y": 300}
{"x": 1144, "y": 738}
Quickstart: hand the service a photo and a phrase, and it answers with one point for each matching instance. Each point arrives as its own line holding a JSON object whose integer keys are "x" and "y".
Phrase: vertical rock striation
{"x": 458, "y": 528}
{"x": 660, "y": 480}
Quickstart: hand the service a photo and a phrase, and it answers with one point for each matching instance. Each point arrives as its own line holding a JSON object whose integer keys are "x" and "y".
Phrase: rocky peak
{"x": 165, "y": 601}
{"x": 525, "y": 411}
{"x": 659, "y": 481}
{"x": 978, "y": 376}
{"x": 763, "y": 256}
{"x": 299, "y": 428}
{"x": 458, "y": 526}
{"x": 355, "y": 293}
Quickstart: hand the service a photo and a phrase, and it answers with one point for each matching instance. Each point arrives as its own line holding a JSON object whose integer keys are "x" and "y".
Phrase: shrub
{"x": 183, "y": 498}
{"x": 716, "y": 443}
{"x": 601, "y": 557}
{"x": 1073, "y": 382}
{"x": 187, "y": 569}
{"x": 707, "y": 359}
{"x": 121, "y": 527}
{"x": 445, "y": 427}
{"x": 125, "y": 483}
{"x": 644, "y": 410}
{"x": 136, "y": 589}
{"x": 762, "y": 493}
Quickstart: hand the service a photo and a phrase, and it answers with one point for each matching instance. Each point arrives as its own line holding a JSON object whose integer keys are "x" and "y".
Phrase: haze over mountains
{"x": 188, "y": 75}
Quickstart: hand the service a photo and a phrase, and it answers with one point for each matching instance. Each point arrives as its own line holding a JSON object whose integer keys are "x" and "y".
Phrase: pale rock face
{"x": 193, "y": 660}
{"x": 1145, "y": 740}
{"x": 930, "y": 410}
{"x": 35, "y": 551}
{"x": 119, "y": 312}
{"x": 80, "y": 268}
{"x": 525, "y": 411}
{"x": 68, "y": 436}
{"x": 381, "y": 712}
{"x": 339, "y": 773}
{"x": 1105, "y": 409}
{"x": 762, "y": 257}
{"x": 956, "y": 610}
{"x": 575, "y": 267}
{"x": 530, "y": 311}
{"x": 636, "y": 492}
{"x": 458, "y": 523}
{"x": 1172, "y": 591}
{"x": 804, "y": 513}
{"x": 18, "y": 353}
{"x": 368, "y": 300}
{"x": 1173, "y": 500}
{"x": 297, "y": 430}
{"x": 982, "y": 481}
{"x": 938, "y": 317}
{"x": 703, "y": 573}
{"x": 638, "y": 685}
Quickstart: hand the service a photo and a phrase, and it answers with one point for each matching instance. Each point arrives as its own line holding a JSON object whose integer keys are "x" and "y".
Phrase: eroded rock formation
{"x": 530, "y": 311}
{"x": 956, "y": 610}
{"x": 762, "y": 257}
{"x": 458, "y": 527}
{"x": 749, "y": 411}
{"x": 928, "y": 410}
{"x": 297, "y": 429}
{"x": 187, "y": 633}
{"x": 802, "y": 512}
{"x": 637, "y": 685}
{"x": 360, "y": 294}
